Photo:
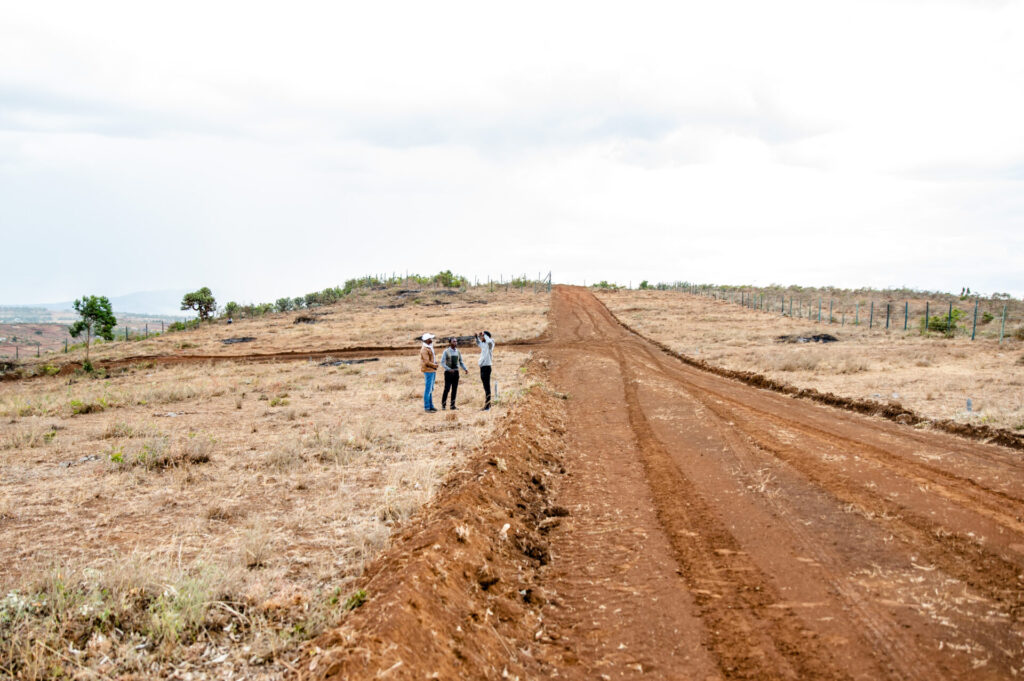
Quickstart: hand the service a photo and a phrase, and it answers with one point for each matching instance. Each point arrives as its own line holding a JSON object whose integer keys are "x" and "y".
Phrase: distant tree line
{"x": 203, "y": 302}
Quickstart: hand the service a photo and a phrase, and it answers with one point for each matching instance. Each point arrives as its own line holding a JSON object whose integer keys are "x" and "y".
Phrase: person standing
{"x": 428, "y": 365}
{"x": 451, "y": 360}
{"x": 486, "y": 343}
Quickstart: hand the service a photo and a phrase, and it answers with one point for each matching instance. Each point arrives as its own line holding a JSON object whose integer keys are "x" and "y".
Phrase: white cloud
{"x": 267, "y": 150}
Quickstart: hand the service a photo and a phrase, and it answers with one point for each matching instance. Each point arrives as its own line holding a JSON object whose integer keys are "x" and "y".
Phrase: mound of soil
{"x": 458, "y": 584}
{"x": 340, "y": 362}
{"x": 816, "y": 338}
{"x": 240, "y": 339}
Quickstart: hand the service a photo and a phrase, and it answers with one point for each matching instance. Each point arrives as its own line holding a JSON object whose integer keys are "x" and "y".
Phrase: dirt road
{"x": 721, "y": 531}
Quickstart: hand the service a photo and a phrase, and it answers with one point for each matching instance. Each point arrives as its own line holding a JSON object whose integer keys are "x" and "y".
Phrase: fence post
{"x": 819, "y": 309}
{"x": 829, "y": 310}
{"x": 871, "y": 318}
{"x": 887, "y": 306}
{"x": 974, "y": 326}
{"x": 1002, "y": 326}
{"x": 927, "y": 309}
{"x": 856, "y": 319}
{"x": 844, "y": 318}
{"x": 65, "y": 346}
{"x": 949, "y": 320}
{"x": 906, "y": 313}
{"x": 16, "y": 355}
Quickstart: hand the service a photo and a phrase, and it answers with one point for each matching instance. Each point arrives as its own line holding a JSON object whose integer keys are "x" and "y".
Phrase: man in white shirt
{"x": 486, "y": 344}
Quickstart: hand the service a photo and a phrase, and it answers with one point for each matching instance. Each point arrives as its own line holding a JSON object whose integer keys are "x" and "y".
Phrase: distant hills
{"x": 140, "y": 304}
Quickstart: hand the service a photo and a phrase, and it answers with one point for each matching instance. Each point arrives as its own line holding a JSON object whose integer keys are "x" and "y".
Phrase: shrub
{"x": 941, "y": 323}
{"x": 91, "y": 407}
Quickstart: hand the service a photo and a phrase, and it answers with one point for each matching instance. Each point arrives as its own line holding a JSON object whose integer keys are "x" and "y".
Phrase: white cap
{"x": 427, "y": 336}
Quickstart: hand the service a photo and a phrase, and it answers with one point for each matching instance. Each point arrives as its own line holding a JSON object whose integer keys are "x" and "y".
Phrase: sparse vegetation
{"x": 222, "y": 494}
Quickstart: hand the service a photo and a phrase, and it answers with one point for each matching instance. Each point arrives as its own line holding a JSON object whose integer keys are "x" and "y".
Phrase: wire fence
{"x": 997, "y": 317}
{"x": 21, "y": 348}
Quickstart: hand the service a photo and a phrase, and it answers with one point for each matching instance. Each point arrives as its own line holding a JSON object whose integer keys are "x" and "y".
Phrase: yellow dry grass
{"x": 202, "y": 518}
{"x": 934, "y": 376}
{"x": 364, "y": 318}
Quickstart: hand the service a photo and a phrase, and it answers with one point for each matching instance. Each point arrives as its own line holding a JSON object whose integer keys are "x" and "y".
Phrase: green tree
{"x": 97, "y": 319}
{"x": 644, "y": 285}
{"x": 283, "y": 304}
{"x": 202, "y": 301}
{"x": 231, "y": 309}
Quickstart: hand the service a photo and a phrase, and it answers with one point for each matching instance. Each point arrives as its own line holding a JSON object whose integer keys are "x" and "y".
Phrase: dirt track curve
{"x": 711, "y": 530}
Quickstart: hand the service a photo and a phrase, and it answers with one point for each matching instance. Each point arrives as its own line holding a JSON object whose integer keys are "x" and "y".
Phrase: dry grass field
{"x": 931, "y": 375}
{"x": 365, "y": 318}
{"x": 200, "y": 519}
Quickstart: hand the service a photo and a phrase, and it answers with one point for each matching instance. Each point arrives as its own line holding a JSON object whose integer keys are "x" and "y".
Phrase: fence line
{"x": 967, "y": 316}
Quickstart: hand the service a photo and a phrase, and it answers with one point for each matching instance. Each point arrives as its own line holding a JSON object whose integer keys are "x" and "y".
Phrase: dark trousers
{"x": 451, "y": 381}
{"x": 485, "y": 378}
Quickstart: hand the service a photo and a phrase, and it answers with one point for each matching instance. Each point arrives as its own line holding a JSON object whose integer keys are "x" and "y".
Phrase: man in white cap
{"x": 428, "y": 365}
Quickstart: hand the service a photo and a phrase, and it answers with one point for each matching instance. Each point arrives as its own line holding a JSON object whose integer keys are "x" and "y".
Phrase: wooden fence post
{"x": 1002, "y": 326}
{"x": 887, "y": 306}
{"x": 871, "y": 318}
{"x": 65, "y": 346}
{"x": 829, "y": 310}
{"x": 906, "y": 313}
{"x": 819, "y": 309}
{"x": 949, "y": 320}
{"x": 927, "y": 310}
{"x": 974, "y": 326}
{"x": 856, "y": 319}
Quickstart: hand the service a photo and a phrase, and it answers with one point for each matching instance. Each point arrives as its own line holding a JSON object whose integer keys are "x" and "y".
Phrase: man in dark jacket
{"x": 451, "y": 360}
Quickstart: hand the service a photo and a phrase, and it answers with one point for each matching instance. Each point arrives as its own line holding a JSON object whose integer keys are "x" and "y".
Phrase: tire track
{"x": 748, "y": 638}
{"x": 957, "y": 554}
{"x": 1005, "y": 509}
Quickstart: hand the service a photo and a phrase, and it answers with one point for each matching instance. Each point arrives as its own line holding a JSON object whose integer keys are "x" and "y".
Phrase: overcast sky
{"x": 274, "y": 149}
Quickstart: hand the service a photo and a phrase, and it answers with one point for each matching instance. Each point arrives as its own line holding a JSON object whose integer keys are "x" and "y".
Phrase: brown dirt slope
{"x": 456, "y": 595}
{"x": 713, "y": 530}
